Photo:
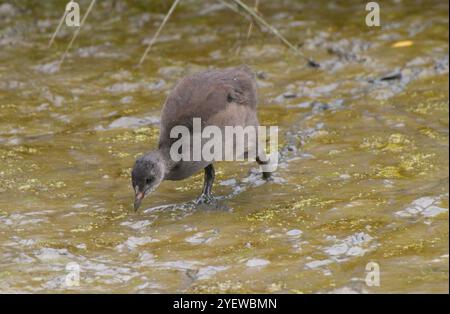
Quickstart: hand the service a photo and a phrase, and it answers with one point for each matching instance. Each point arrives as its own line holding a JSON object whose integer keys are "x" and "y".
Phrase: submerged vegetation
{"x": 363, "y": 143}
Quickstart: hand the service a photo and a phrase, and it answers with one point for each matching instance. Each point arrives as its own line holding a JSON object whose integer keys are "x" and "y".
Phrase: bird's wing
{"x": 219, "y": 98}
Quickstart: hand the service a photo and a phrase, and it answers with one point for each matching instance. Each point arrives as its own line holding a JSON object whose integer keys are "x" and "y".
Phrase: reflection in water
{"x": 363, "y": 172}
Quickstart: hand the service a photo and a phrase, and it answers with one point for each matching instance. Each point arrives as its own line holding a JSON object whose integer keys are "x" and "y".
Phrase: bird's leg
{"x": 206, "y": 196}
{"x": 265, "y": 175}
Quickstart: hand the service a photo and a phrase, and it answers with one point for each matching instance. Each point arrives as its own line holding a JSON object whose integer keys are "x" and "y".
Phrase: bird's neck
{"x": 166, "y": 161}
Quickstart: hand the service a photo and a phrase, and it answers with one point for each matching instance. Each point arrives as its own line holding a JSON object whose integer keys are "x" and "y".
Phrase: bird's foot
{"x": 267, "y": 176}
{"x": 205, "y": 199}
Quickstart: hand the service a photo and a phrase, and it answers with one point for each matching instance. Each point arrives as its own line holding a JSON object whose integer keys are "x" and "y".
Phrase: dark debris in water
{"x": 313, "y": 64}
{"x": 392, "y": 76}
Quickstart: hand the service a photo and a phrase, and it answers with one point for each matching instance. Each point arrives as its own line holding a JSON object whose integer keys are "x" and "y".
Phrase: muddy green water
{"x": 365, "y": 180}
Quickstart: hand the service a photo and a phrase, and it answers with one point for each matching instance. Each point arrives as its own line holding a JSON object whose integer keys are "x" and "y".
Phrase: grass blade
{"x": 59, "y": 26}
{"x": 75, "y": 35}
{"x": 250, "y": 27}
{"x": 166, "y": 18}
{"x": 274, "y": 31}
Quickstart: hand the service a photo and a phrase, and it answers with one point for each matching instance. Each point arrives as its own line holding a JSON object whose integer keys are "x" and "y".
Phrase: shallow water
{"x": 363, "y": 174}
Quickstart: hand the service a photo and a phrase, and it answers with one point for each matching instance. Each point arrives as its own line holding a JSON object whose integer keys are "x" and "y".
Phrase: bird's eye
{"x": 148, "y": 180}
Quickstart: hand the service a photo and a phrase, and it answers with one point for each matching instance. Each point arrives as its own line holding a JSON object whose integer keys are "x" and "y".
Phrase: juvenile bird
{"x": 219, "y": 98}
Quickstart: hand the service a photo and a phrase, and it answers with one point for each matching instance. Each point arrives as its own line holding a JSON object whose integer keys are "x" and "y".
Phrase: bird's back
{"x": 217, "y": 97}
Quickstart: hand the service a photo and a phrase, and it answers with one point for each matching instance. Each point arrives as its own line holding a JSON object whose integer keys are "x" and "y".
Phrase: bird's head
{"x": 147, "y": 174}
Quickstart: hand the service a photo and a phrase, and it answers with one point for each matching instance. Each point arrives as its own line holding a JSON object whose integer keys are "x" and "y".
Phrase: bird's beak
{"x": 138, "y": 199}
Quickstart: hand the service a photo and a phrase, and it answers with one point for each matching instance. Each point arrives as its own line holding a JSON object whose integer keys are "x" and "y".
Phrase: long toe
{"x": 205, "y": 199}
